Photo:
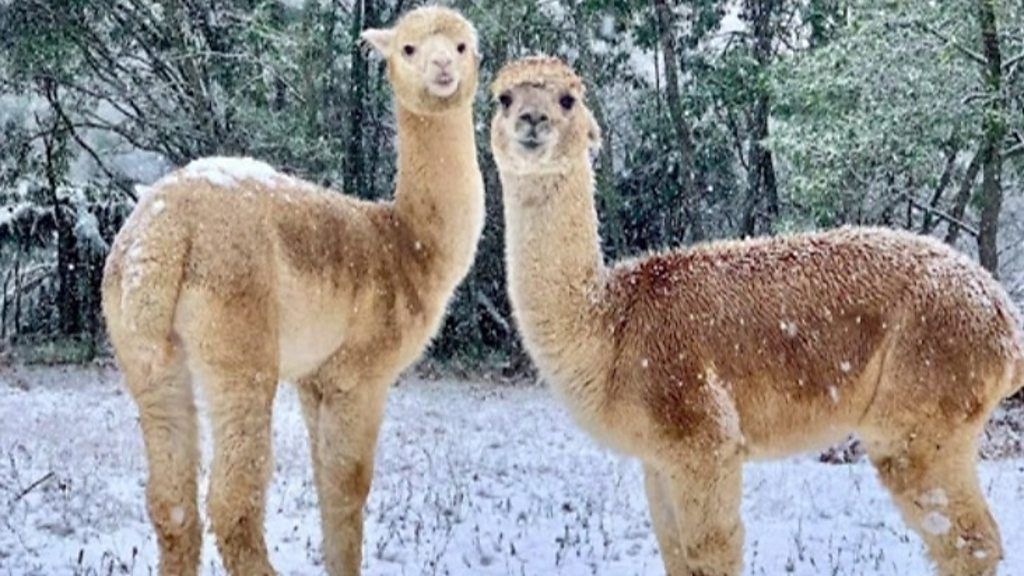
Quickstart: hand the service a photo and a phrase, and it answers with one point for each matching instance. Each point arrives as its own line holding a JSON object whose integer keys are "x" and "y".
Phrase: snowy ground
{"x": 471, "y": 479}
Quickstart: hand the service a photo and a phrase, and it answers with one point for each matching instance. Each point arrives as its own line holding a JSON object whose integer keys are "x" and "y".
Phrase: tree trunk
{"x": 761, "y": 182}
{"x": 930, "y": 221}
{"x": 963, "y": 196}
{"x": 607, "y": 193}
{"x": 17, "y": 299}
{"x": 195, "y": 91}
{"x": 55, "y": 157}
{"x": 363, "y": 15}
{"x": 4, "y": 306}
{"x": 690, "y": 189}
{"x": 994, "y": 132}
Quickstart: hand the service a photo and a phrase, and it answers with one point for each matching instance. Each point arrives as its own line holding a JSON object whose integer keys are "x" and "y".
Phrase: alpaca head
{"x": 541, "y": 125}
{"x": 432, "y": 58}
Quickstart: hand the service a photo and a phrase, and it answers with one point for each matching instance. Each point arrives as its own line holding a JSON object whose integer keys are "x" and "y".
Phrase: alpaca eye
{"x": 505, "y": 99}
{"x": 461, "y": 47}
{"x": 567, "y": 102}
{"x": 409, "y": 49}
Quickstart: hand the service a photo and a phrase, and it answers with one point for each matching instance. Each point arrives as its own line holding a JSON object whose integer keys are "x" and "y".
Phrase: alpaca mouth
{"x": 443, "y": 85}
{"x": 530, "y": 144}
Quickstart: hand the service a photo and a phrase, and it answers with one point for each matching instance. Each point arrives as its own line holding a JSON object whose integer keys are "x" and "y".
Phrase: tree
{"x": 865, "y": 121}
{"x": 689, "y": 183}
{"x": 994, "y": 131}
{"x": 761, "y": 183}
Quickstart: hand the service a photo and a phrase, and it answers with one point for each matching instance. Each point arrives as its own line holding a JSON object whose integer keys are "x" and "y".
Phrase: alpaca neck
{"x": 439, "y": 194}
{"x": 555, "y": 267}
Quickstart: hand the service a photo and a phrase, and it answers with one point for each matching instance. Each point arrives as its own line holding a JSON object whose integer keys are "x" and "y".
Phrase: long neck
{"x": 555, "y": 268}
{"x": 439, "y": 193}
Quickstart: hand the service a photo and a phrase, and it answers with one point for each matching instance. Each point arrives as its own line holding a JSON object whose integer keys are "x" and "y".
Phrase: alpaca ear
{"x": 380, "y": 39}
{"x": 593, "y": 134}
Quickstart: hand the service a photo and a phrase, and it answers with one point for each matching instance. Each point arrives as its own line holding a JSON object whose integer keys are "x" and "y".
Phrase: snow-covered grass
{"x": 470, "y": 479}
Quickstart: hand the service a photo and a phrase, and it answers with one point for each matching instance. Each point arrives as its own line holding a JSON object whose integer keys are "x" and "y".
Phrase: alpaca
{"x": 695, "y": 360}
{"x": 240, "y": 276}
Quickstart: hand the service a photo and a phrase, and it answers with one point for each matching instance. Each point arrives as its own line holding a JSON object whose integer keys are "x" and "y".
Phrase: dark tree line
{"x": 720, "y": 119}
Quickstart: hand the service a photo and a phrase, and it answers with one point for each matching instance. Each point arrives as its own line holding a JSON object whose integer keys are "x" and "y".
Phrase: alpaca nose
{"x": 443, "y": 63}
{"x": 533, "y": 118}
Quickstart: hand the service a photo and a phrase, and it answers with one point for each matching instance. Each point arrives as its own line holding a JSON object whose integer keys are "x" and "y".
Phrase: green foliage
{"x": 867, "y": 100}
{"x": 869, "y": 116}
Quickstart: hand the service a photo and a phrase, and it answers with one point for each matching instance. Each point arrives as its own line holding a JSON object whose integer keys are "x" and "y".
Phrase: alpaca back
{"x": 801, "y": 329}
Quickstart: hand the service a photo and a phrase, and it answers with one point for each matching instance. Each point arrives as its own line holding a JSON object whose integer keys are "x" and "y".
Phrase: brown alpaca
{"x": 241, "y": 276}
{"x": 696, "y": 360}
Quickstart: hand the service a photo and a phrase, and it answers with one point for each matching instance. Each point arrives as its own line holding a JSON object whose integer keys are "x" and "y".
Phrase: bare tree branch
{"x": 941, "y": 215}
{"x": 973, "y": 55}
{"x": 963, "y": 196}
{"x": 1010, "y": 65}
{"x": 947, "y": 176}
{"x": 53, "y": 99}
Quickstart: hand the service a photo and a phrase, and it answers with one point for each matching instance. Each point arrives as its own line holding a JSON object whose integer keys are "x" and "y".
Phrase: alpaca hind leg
{"x": 162, "y": 390}
{"x": 707, "y": 500}
{"x": 310, "y": 398}
{"x": 348, "y": 427}
{"x": 935, "y": 485}
{"x": 666, "y": 526}
{"x": 240, "y": 411}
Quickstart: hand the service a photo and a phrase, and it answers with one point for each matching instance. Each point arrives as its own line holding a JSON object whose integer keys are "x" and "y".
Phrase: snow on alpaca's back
{"x": 226, "y": 172}
{"x": 219, "y": 171}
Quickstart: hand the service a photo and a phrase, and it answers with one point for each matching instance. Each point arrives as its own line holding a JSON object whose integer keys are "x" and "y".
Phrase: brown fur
{"x": 695, "y": 360}
{"x": 263, "y": 277}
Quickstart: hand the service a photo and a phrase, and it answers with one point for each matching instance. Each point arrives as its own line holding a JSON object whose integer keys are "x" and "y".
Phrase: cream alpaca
{"x": 240, "y": 276}
{"x": 696, "y": 360}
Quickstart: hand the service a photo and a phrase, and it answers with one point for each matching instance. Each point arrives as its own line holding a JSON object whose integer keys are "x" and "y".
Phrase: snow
{"x": 178, "y": 515}
{"x": 833, "y": 393}
{"x": 7, "y": 215}
{"x": 470, "y": 478}
{"x": 224, "y": 171}
{"x": 12, "y": 212}
{"x": 133, "y": 270}
{"x": 936, "y": 523}
{"x": 227, "y": 172}
{"x": 87, "y": 230}
{"x": 789, "y": 328}
{"x": 936, "y": 497}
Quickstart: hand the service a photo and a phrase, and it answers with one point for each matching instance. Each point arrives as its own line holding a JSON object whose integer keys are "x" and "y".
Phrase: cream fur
{"x": 698, "y": 359}
{"x": 240, "y": 276}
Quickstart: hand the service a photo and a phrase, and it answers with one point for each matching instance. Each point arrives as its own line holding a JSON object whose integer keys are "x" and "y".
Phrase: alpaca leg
{"x": 240, "y": 410}
{"x": 310, "y": 399}
{"x": 707, "y": 500}
{"x": 666, "y": 526}
{"x": 935, "y": 486}
{"x": 167, "y": 413}
{"x": 348, "y": 427}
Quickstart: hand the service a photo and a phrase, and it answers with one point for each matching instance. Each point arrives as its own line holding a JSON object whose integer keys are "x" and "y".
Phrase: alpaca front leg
{"x": 348, "y": 425}
{"x": 706, "y": 499}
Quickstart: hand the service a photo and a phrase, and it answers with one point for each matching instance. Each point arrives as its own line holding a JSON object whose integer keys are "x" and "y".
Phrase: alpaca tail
{"x": 143, "y": 276}
{"x": 1017, "y": 378}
